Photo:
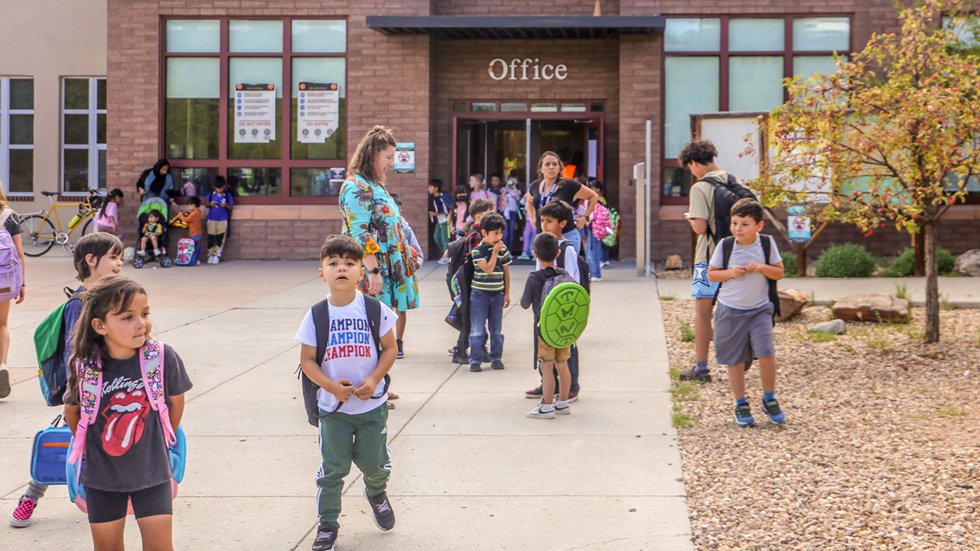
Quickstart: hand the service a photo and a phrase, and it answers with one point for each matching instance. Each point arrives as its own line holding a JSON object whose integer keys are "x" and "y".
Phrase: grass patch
{"x": 945, "y": 304}
{"x": 680, "y": 420}
{"x": 817, "y": 336}
{"x": 687, "y": 333}
{"x": 877, "y": 343}
{"x": 667, "y": 298}
{"x": 916, "y": 334}
{"x": 946, "y": 411}
{"x": 680, "y": 392}
{"x": 901, "y": 292}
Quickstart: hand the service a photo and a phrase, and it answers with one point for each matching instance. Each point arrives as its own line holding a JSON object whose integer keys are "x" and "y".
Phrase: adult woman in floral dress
{"x": 371, "y": 216}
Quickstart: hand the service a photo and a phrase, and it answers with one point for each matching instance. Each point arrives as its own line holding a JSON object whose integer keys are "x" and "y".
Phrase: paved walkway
{"x": 470, "y": 471}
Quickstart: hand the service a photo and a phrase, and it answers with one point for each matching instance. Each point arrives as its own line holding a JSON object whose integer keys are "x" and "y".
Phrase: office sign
{"x": 526, "y": 69}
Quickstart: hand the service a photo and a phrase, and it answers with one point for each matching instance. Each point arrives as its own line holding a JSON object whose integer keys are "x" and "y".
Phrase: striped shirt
{"x": 494, "y": 281}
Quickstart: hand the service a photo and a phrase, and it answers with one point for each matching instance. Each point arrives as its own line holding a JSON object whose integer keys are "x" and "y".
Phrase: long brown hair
{"x": 372, "y": 144}
{"x": 110, "y": 295}
{"x": 561, "y": 165}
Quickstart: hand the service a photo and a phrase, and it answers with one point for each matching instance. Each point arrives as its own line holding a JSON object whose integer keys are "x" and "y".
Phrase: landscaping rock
{"x": 969, "y": 263}
{"x": 674, "y": 262}
{"x": 791, "y": 303}
{"x": 834, "y": 327}
{"x": 872, "y": 307}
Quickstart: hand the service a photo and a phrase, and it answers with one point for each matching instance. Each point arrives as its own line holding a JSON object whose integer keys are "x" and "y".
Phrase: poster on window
{"x": 319, "y": 111}
{"x": 255, "y": 113}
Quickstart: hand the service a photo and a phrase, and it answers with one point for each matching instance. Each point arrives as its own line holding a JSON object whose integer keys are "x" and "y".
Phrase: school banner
{"x": 255, "y": 113}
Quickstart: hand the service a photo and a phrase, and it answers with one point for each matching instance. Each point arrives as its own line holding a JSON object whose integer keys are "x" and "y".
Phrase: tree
{"x": 892, "y": 137}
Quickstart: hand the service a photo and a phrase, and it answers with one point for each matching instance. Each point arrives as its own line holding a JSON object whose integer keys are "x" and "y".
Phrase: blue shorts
{"x": 700, "y": 286}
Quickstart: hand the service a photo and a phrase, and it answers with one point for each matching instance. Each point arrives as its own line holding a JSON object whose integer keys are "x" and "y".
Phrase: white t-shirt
{"x": 750, "y": 291}
{"x": 351, "y": 353}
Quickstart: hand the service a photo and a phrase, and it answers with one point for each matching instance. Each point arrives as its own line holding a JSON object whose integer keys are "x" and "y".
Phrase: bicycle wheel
{"x": 38, "y": 235}
{"x": 86, "y": 229}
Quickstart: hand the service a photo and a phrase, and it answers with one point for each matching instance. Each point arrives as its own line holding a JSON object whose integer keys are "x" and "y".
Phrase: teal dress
{"x": 371, "y": 217}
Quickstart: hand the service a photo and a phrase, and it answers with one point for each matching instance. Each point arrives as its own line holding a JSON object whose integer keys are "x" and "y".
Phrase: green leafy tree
{"x": 891, "y": 138}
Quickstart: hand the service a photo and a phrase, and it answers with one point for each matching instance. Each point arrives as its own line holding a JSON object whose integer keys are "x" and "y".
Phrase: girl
{"x": 126, "y": 457}
{"x": 108, "y": 218}
{"x": 11, "y": 223}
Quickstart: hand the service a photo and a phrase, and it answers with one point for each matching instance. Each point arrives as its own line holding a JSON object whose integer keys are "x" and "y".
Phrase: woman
{"x": 371, "y": 217}
{"x": 158, "y": 182}
{"x": 11, "y": 223}
{"x": 552, "y": 187}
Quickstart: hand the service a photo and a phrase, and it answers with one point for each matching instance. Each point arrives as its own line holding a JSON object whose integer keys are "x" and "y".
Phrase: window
{"x": 83, "y": 134}
{"x": 736, "y": 64}
{"x": 277, "y": 127}
{"x": 17, "y": 135}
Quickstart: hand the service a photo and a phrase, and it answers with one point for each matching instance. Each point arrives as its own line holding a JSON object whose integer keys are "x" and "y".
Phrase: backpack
{"x": 585, "y": 276}
{"x": 459, "y": 291}
{"x": 727, "y": 246}
{"x": 564, "y": 310}
{"x": 186, "y": 252}
{"x": 152, "y": 368}
{"x": 49, "y": 345}
{"x": 11, "y": 272}
{"x": 614, "y": 223}
{"x": 726, "y": 194}
{"x": 321, "y": 321}
{"x": 458, "y": 254}
{"x": 601, "y": 224}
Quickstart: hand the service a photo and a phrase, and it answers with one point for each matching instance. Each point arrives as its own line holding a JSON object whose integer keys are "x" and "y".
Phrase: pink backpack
{"x": 90, "y": 393}
{"x": 601, "y": 224}
{"x": 11, "y": 272}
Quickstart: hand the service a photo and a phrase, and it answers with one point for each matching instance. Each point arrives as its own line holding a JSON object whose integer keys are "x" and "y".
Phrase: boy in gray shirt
{"x": 744, "y": 316}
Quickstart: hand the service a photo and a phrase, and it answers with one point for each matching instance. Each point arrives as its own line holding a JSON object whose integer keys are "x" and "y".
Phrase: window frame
{"x": 5, "y": 145}
{"x": 724, "y": 54}
{"x": 224, "y": 163}
{"x": 93, "y": 146}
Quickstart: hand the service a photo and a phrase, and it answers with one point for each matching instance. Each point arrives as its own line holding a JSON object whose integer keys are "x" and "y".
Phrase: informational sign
{"x": 255, "y": 113}
{"x": 405, "y": 157}
{"x": 798, "y": 225}
{"x": 319, "y": 111}
{"x": 337, "y": 176}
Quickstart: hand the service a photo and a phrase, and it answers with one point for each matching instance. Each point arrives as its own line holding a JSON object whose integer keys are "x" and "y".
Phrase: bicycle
{"x": 40, "y": 233}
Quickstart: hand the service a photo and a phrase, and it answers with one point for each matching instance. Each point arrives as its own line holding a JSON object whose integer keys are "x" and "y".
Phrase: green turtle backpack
{"x": 564, "y": 311}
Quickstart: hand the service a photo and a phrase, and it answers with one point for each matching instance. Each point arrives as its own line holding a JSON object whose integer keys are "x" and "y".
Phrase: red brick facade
{"x": 408, "y": 83}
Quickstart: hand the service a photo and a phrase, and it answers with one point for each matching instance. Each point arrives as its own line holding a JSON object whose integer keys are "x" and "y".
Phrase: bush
{"x": 904, "y": 264}
{"x": 848, "y": 260}
{"x": 790, "y": 268}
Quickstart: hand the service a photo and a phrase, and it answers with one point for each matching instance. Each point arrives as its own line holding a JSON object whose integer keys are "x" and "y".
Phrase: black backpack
{"x": 727, "y": 193}
{"x": 458, "y": 254}
{"x": 585, "y": 276}
{"x": 727, "y": 246}
{"x": 321, "y": 321}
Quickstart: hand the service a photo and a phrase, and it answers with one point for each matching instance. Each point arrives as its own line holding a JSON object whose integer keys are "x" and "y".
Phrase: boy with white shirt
{"x": 353, "y": 387}
{"x": 744, "y": 315}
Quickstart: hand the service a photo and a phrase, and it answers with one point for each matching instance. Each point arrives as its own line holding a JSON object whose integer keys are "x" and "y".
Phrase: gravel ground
{"x": 881, "y": 449}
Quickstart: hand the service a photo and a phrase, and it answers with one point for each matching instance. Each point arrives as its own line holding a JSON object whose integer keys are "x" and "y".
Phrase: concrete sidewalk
{"x": 470, "y": 471}
{"x": 961, "y": 291}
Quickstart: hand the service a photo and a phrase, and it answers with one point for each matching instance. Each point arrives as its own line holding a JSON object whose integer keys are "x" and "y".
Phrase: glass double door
{"x": 510, "y": 148}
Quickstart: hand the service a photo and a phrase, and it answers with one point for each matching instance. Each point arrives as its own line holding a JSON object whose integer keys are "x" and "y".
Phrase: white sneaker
{"x": 562, "y": 408}
{"x": 141, "y": 253}
{"x": 605, "y": 264}
{"x": 595, "y": 279}
{"x": 217, "y": 259}
{"x": 541, "y": 413}
{"x": 156, "y": 252}
{"x": 443, "y": 260}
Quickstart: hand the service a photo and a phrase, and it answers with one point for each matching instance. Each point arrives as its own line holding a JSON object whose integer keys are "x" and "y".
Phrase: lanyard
{"x": 545, "y": 200}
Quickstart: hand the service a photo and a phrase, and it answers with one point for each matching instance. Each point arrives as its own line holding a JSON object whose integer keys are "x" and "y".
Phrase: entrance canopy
{"x": 508, "y": 27}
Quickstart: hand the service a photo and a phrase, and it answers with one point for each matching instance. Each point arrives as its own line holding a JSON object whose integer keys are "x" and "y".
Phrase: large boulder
{"x": 872, "y": 307}
{"x": 674, "y": 262}
{"x": 791, "y": 303}
{"x": 969, "y": 263}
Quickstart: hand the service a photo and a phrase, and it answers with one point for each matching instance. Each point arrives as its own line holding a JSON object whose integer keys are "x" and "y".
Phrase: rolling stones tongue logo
{"x": 126, "y": 416}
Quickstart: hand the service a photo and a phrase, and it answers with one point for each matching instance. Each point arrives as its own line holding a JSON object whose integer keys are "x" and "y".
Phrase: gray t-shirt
{"x": 750, "y": 291}
{"x": 124, "y": 449}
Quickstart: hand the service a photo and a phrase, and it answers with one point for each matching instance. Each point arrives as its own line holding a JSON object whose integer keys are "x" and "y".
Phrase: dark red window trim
{"x": 223, "y": 163}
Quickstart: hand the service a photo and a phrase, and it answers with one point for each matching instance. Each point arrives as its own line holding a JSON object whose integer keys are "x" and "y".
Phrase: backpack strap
{"x": 152, "y": 367}
{"x": 321, "y": 323}
{"x": 727, "y": 246}
{"x": 90, "y": 393}
{"x": 373, "y": 307}
{"x": 767, "y": 244}
{"x": 5, "y": 215}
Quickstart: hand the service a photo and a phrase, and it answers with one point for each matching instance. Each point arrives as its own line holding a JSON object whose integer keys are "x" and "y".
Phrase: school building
{"x": 275, "y": 95}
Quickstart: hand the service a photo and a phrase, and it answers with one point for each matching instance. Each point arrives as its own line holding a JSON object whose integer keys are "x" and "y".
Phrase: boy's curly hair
{"x": 480, "y": 206}
{"x": 702, "y": 152}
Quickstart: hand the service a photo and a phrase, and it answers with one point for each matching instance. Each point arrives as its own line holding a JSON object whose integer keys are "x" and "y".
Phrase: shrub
{"x": 904, "y": 264}
{"x": 790, "y": 268}
{"x": 848, "y": 260}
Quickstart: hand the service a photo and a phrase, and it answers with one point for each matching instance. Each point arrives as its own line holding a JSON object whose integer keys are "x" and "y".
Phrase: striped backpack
{"x": 90, "y": 394}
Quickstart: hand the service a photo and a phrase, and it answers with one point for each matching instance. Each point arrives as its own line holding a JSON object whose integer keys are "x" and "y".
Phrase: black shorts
{"x": 106, "y": 506}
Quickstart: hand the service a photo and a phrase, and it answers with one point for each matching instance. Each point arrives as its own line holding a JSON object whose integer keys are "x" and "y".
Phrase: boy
{"x": 439, "y": 217}
{"x": 219, "y": 202}
{"x": 96, "y": 256}
{"x": 195, "y": 229}
{"x": 743, "y": 318}
{"x": 551, "y": 359}
{"x": 477, "y": 210}
{"x": 490, "y": 292}
{"x": 352, "y": 393}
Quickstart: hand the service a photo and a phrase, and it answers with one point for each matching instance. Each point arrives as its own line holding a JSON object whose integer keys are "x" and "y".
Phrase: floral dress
{"x": 371, "y": 217}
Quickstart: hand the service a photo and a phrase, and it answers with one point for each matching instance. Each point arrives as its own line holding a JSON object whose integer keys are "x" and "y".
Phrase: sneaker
{"x": 141, "y": 253}
{"x": 475, "y": 367}
{"x": 4, "y": 382}
{"x": 743, "y": 416}
{"x": 562, "y": 408}
{"x": 326, "y": 537}
{"x": 443, "y": 260}
{"x": 21, "y": 517}
{"x": 594, "y": 278}
{"x": 694, "y": 375}
{"x": 461, "y": 358}
{"x": 452, "y": 350}
{"x": 572, "y": 396}
{"x": 772, "y": 410}
{"x": 534, "y": 393}
{"x": 217, "y": 259}
{"x": 541, "y": 413}
{"x": 156, "y": 252}
{"x": 605, "y": 264}
{"x": 401, "y": 354}
{"x": 384, "y": 517}
{"x": 497, "y": 364}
